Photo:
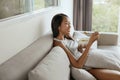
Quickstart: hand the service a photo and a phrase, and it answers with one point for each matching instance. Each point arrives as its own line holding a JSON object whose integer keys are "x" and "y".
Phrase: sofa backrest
{"x": 17, "y": 67}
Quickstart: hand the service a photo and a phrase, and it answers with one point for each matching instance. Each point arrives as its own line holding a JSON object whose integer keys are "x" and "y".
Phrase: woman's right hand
{"x": 94, "y": 37}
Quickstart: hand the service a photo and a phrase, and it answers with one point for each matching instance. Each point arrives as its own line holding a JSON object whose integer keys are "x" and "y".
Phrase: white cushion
{"x": 81, "y": 74}
{"x": 55, "y": 66}
{"x": 98, "y": 58}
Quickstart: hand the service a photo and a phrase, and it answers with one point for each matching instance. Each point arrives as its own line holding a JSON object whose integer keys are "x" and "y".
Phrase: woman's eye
{"x": 67, "y": 23}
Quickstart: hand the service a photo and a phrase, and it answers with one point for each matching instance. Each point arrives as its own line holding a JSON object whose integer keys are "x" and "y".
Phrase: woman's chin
{"x": 68, "y": 34}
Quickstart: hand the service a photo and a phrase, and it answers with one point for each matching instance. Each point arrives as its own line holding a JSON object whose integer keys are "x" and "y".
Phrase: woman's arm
{"x": 81, "y": 61}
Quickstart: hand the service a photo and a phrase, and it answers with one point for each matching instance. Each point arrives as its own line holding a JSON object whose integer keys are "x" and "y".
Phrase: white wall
{"x": 18, "y": 33}
{"x": 119, "y": 26}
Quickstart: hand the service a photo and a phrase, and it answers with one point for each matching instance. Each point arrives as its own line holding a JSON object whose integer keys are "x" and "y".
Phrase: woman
{"x": 61, "y": 33}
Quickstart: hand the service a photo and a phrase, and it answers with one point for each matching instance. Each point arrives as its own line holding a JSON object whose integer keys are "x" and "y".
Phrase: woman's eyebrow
{"x": 67, "y": 21}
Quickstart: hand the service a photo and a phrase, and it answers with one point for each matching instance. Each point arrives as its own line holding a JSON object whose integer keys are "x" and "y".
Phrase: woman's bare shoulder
{"x": 56, "y": 43}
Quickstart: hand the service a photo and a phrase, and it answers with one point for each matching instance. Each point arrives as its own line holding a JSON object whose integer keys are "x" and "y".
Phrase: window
{"x": 106, "y": 15}
{"x": 10, "y": 8}
{"x": 39, "y": 4}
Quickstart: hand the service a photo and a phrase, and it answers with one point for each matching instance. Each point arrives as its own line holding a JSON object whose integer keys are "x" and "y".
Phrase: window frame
{"x": 32, "y": 11}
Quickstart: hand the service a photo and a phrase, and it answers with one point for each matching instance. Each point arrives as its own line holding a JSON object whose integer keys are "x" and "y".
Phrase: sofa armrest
{"x": 108, "y": 38}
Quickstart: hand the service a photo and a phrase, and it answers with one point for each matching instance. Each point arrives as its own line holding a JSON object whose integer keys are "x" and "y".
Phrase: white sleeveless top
{"x": 72, "y": 45}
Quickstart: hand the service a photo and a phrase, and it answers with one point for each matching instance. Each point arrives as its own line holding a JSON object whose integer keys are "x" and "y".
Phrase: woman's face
{"x": 65, "y": 26}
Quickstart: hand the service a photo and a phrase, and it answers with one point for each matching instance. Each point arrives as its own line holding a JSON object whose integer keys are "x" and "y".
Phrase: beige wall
{"x": 18, "y": 33}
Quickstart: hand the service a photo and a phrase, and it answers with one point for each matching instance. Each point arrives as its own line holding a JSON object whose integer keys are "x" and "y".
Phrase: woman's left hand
{"x": 80, "y": 48}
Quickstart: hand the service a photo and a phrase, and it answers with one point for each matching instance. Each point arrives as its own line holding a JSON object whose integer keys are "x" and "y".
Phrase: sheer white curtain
{"x": 26, "y": 5}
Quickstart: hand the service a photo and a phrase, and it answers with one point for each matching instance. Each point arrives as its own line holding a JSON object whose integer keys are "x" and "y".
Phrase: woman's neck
{"x": 60, "y": 37}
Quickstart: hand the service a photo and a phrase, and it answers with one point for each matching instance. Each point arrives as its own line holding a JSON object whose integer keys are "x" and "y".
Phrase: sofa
{"x": 40, "y": 61}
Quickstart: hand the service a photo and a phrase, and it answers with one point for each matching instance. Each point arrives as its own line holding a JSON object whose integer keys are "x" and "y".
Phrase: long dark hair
{"x": 56, "y": 22}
